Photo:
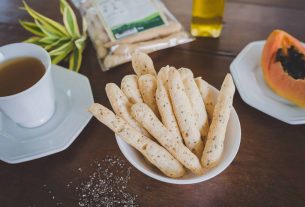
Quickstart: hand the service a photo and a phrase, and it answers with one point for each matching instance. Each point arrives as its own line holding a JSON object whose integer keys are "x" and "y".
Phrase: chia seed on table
{"x": 107, "y": 185}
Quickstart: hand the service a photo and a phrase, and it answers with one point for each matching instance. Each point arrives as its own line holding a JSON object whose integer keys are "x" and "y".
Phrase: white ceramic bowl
{"x": 231, "y": 146}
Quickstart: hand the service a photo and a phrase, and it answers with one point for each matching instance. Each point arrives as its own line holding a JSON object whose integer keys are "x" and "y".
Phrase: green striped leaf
{"x": 57, "y": 43}
{"x": 45, "y": 20}
{"x": 46, "y": 31}
{"x": 48, "y": 40}
{"x": 31, "y": 27}
{"x": 34, "y": 40}
{"x": 75, "y": 59}
{"x": 57, "y": 58}
{"x": 85, "y": 26}
{"x": 51, "y": 30}
{"x": 62, "y": 5}
{"x": 65, "y": 47}
{"x": 70, "y": 21}
{"x": 80, "y": 43}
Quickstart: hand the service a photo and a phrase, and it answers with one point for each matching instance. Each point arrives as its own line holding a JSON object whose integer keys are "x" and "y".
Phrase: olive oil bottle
{"x": 207, "y": 18}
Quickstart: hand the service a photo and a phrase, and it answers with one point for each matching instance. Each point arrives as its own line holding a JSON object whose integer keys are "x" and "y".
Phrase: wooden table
{"x": 269, "y": 169}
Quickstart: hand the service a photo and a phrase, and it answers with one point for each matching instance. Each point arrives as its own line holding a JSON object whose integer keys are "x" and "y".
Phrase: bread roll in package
{"x": 118, "y": 28}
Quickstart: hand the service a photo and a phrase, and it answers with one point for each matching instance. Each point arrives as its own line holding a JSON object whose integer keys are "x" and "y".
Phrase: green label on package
{"x": 122, "y": 18}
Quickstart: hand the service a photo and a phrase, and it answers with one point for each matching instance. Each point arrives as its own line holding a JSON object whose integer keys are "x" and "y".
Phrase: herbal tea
{"x": 19, "y": 74}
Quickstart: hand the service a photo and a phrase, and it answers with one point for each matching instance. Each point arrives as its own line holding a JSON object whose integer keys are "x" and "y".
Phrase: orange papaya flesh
{"x": 283, "y": 65}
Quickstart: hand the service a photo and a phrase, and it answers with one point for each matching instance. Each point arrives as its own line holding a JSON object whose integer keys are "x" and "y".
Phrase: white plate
{"x": 247, "y": 73}
{"x": 73, "y": 97}
{"x": 231, "y": 146}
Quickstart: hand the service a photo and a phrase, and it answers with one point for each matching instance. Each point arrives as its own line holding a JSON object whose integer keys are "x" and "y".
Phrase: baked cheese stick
{"x": 152, "y": 151}
{"x": 129, "y": 86}
{"x": 184, "y": 113}
{"x": 148, "y": 86}
{"x": 154, "y": 33}
{"x": 114, "y": 60}
{"x": 143, "y": 114}
{"x": 196, "y": 101}
{"x": 121, "y": 106}
{"x": 165, "y": 105}
{"x": 152, "y": 45}
{"x": 142, "y": 64}
{"x": 214, "y": 145}
{"x": 207, "y": 95}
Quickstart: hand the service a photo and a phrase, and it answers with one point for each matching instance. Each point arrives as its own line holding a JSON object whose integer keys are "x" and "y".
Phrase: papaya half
{"x": 283, "y": 65}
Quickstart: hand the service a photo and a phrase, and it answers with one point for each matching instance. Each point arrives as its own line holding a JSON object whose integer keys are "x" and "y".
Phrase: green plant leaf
{"x": 75, "y": 59}
{"x": 45, "y": 20}
{"x": 48, "y": 40}
{"x": 70, "y": 21}
{"x": 34, "y": 40}
{"x": 85, "y": 26}
{"x": 57, "y": 58}
{"x": 62, "y": 5}
{"x": 31, "y": 27}
{"x": 44, "y": 30}
{"x": 63, "y": 48}
{"x": 80, "y": 43}
{"x": 57, "y": 43}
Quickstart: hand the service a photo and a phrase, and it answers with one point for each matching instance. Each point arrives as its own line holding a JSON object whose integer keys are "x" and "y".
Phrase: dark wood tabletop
{"x": 269, "y": 169}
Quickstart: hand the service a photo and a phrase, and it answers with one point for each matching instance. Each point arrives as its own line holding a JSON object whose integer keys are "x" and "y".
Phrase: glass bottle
{"x": 207, "y": 18}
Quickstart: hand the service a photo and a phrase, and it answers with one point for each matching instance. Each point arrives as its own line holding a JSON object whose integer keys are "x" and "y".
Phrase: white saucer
{"x": 247, "y": 73}
{"x": 73, "y": 97}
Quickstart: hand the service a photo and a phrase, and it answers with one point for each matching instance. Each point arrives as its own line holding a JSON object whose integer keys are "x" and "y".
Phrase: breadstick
{"x": 196, "y": 101}
{"x": 152, "y": 151}
{"x": 121, "y": 106}
{"x": 214, "y": 145}
{"x": 207, "y": 95}
{"x": 152, "y": 45}
{"x": 114, "y": 60}
{"x": 142, "y": 64}
{"x": 148, "y": 86}
{"x": 184, "y": 113}
{"x": 149, "y": 34}
{"x": 129, "y": 86}
{"x": 143, "y": 114}
{"x": 165, "y": 105}
{"x": 95, "y": 28}
{"x": 100, "y": 49}
{"x": 163, "y": 75}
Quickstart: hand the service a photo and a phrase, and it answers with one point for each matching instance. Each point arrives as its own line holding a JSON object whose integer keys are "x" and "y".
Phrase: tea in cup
{"x": 26, "y": 86}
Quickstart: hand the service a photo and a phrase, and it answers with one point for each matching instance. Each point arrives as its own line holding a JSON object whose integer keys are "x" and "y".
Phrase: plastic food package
{"x": 118, "y": 28}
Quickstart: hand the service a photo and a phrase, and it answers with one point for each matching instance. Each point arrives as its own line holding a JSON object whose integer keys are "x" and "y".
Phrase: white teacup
{"x": 35, "y": 105}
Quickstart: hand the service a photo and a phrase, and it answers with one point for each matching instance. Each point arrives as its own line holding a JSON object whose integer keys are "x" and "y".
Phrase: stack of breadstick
{"x": 170, "y": 117}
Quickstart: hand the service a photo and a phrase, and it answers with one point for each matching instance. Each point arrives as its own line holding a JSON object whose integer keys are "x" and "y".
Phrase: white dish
{"x": 247, "y": 74}
{"x": 73, "y": 97}
{"x": 231, "y": 146}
